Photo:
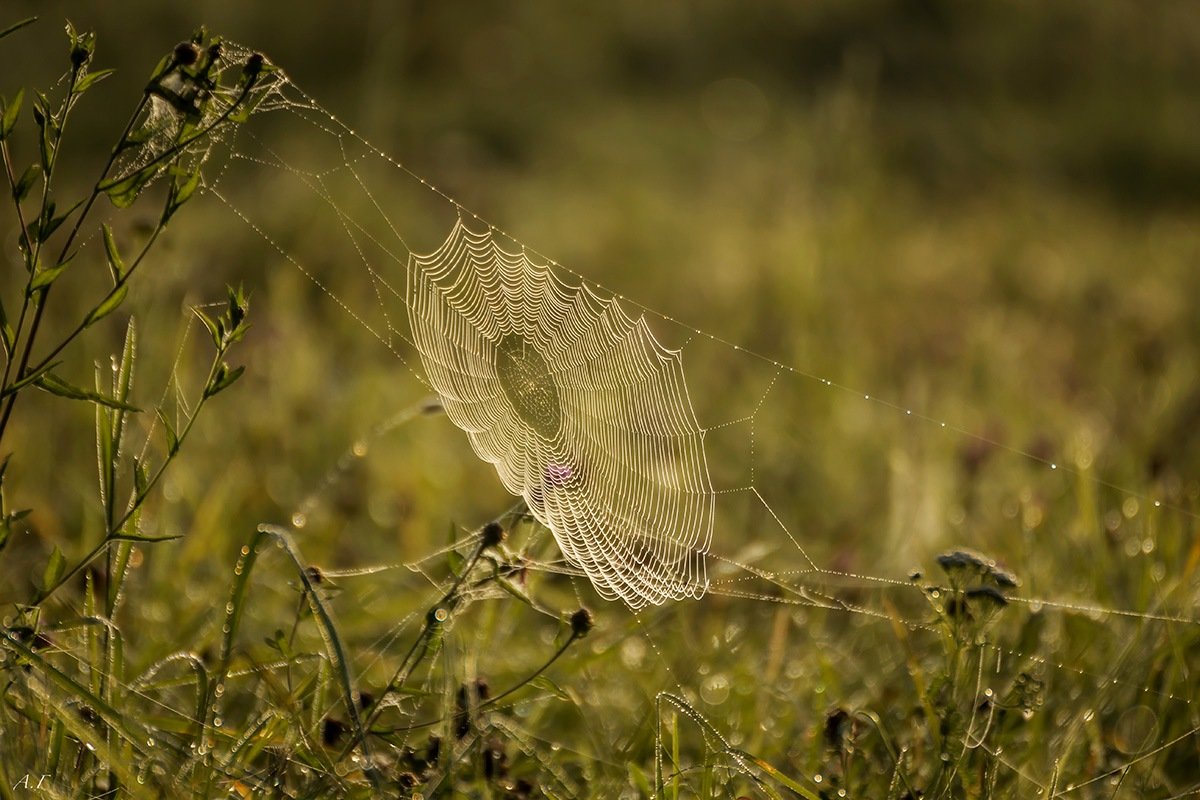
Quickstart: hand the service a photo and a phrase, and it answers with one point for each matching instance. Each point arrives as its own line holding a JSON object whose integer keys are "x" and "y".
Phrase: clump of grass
{"x": 70, "y": 707}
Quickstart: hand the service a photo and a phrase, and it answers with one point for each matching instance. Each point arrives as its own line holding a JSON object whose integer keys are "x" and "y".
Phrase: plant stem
{"x": 44, "y": 292}
{"x": 111, "y": 535}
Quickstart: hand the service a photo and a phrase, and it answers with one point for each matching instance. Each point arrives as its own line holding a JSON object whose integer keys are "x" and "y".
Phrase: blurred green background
{"x": 986, "y": 212}
{"x": 983, "y": 211}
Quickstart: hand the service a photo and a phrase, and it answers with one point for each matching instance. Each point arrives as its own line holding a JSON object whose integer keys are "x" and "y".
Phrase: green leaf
{"x": 7, "y": 335}
{"x": 640, "y": 780}
{"x": 124, "y": 191}
{"x": 91, "y": 79}
{"x": 31, "y": 377}
{"x": 45, "y": 122}
{"x": 546, "y": 685}
{"x": 55, "y": 568}
{"x": 52, "y": 223}
{"x": 141, "y": 477}
{"x": 224, "y": 378}
{"x": 107, "y": 306}
{"x": 213, "y": 327}
{"x": 11, "y": 110}
{"x": 235, "y": 316}
{"x": 172, "y": 437}
{"x": 181, "y": 191}
{"x": 45, "y": 277}
{"x": 25, "y": 182}
{"x": 53, "y": 384}
{"x": 138, "y": 537}
{"x": 116, "y": 265}
{"x": 454, "y": 559}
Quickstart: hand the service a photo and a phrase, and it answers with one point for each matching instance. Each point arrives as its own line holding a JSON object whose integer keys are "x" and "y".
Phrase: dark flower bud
{"x": 837, "y": 727}
{"x": 79, "y": 56}
{"x": 186, "y": 54}
{"x": 581, "y": 623}
{"x": 254, "y": 65}
{"x": 332, "y": 731}
{"x": 493, "y": 534}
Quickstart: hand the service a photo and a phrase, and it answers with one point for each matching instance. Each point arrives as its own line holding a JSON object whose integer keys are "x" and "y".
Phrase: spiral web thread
{"x": 587, "y": 417}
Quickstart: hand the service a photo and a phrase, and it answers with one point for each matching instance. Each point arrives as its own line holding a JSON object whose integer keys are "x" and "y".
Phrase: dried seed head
{"x": 989, "y": 595}
{"x": 186, "y": 54}
{"x": 581, "y": 623}
{"x": 1003, "y": 578}
{"x": 957, "y": 560}
{"x": 493, "y": 534}
{"x": 964, "y": 565}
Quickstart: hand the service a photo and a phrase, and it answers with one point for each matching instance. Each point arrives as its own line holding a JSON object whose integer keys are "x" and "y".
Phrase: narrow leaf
{"x": 8, "y": 120}
{"x": 546, "y": 685}
{"x": 52, "y": 223}
{"x": 45, "y": 123}
{"x": 172, "y": 438}
{"x": 55, "y": 385}
{"x": 108, "y": 305}
{"x": 106, "y": 466}
{"x": 115, "y": 264}
{"x": 224, "y": 379}
{"x": 141, "y": 477}
{"x": 91, "y": 79}
{"x": 212, "y": 326}
{"x": 55, "y": 567}
{"x": 25, "y": 182}
{"x": 454, "y": 559}
{"x": 46, "y": 277}
{"x": 31, "y": 377}
{"x": 7, "y": 336}
{"x": 124, "y": 191}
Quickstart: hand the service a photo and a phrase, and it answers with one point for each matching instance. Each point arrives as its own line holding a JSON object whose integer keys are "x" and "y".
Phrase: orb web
{"x": 584, "y": 414}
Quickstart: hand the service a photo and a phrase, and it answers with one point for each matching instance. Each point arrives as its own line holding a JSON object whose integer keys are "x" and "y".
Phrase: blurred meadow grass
{"x": 985, "y": 212}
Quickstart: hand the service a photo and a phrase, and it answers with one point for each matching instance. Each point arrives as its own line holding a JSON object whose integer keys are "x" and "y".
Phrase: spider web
{"x": 585, "y": 415}
{"x": 600, "y": 414}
